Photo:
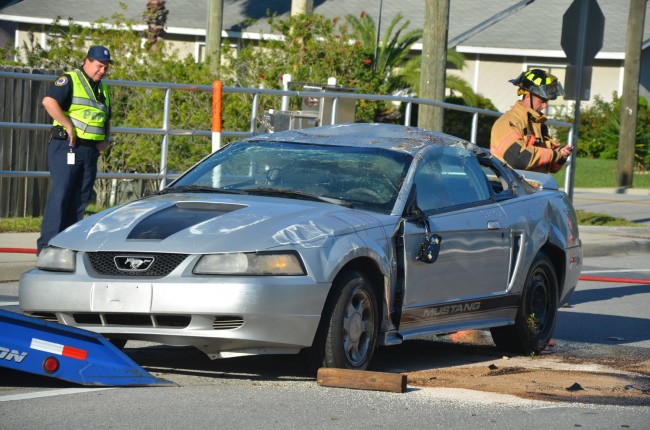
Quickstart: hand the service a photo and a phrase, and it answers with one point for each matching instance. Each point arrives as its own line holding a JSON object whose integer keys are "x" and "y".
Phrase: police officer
{"x": 520, "y": 136}
{"x": 80, "y": 106}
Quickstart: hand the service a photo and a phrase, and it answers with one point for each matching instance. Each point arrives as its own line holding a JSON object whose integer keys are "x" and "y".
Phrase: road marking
{"x": 9, "y": 303}
{"x": 584, "y": 272}
{"x": 50, "y": 393}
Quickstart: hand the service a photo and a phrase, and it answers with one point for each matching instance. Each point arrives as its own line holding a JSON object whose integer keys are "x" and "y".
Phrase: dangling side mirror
{"x": 430, "y": 248}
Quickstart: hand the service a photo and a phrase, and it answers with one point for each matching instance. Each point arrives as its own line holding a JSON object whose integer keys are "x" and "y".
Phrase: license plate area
{"x": 122, "y": 297}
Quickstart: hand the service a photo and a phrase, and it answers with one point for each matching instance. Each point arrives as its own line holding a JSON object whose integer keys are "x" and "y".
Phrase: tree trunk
{"x": 156, "y": 17}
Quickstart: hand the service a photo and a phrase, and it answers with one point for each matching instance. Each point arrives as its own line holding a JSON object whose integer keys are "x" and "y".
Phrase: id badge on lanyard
{"x": 71, "y": 157}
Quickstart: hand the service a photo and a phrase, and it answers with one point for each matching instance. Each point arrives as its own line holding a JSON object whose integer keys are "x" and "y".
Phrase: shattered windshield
{"x": 361, "y": 177}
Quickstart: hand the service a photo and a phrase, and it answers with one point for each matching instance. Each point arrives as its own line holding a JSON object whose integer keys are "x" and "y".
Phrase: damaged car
{"x": 330, "y": 241}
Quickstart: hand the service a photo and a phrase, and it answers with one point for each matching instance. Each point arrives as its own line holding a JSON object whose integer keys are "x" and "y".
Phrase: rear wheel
{"x": 537, "y": 312}
{"x": 347, "y": 335}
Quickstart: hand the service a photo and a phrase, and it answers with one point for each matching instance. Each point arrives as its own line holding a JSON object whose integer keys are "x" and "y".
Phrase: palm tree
{"x": 156, "y": 18}
{"x": 411, "y": 75}
{"x": 391, "y": 61}
{"x": 393, "y": 49}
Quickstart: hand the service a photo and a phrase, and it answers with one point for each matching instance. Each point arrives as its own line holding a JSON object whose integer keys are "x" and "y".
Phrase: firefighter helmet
{"x": 539, "y": 83}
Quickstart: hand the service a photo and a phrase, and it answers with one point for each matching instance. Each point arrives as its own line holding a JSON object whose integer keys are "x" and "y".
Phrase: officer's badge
{"x": 61, "y": 81}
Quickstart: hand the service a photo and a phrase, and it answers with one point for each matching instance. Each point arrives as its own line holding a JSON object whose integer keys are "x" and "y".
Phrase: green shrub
{"x": 600, "y": 128}
{"x": 459, "y": 123}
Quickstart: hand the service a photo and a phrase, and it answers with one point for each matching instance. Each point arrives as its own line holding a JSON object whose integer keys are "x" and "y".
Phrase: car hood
{"x": 199, "y": 223}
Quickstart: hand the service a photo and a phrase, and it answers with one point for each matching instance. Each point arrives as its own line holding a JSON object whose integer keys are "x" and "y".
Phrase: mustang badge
{"x": 133, "y": 264}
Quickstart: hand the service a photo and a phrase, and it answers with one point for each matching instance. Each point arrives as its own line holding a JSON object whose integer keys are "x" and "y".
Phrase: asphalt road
{"x": 605, "y": 319}
{"x": 633, "y": 207}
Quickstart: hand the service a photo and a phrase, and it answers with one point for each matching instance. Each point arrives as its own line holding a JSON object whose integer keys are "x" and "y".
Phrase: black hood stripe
{"x": 165, "y": 222}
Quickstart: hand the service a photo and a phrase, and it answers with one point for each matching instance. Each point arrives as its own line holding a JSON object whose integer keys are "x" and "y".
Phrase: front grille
{"x": 163, "y": 264}
{"x": 133, "y": 320}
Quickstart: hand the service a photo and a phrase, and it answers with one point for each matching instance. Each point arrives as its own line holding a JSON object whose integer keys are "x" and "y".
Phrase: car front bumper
{"x": 222, "y": 316}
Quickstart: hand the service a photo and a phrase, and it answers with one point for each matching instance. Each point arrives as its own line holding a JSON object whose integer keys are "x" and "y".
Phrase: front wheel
{"x": 347, "y": 335}
{"x": 537, "y": 313}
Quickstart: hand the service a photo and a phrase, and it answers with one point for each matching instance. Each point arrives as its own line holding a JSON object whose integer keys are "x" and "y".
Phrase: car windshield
{"x": 360, "y": 177}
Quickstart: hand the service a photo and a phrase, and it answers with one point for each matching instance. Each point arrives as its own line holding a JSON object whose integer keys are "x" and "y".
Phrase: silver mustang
{"x": 330, "y": 241}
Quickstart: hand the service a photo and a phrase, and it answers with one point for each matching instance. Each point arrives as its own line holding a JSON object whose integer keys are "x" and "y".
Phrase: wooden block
{"x": 361, "y": 380}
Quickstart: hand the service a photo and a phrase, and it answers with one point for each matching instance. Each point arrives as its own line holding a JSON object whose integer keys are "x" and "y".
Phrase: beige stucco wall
{"x": 183, "y": 44}
{"x": 489, "y": 75}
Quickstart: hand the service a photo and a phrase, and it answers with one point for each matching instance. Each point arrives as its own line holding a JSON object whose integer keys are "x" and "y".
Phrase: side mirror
{"x": 430, "y": 248}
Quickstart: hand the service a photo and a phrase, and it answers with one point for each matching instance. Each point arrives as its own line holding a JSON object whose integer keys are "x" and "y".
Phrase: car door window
{"x": 498, "y": 183}
{"x": 450, "y": 177}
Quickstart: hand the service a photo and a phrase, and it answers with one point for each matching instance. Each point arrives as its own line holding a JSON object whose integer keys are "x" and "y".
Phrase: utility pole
{"x": 630, "y": 97}
{"x": 213, "y": 35}
{"x": 434, "y": 62}
{"x": 302, "y": 7}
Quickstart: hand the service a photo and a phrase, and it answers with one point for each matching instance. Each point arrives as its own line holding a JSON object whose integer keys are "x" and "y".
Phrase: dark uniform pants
{"x": 71, "y": 187}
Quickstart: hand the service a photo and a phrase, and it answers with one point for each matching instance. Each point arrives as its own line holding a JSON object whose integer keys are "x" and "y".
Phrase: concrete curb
{"x": 604, "y": 241}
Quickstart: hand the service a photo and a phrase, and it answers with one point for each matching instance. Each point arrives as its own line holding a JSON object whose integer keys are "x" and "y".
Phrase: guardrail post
{"x": 407, "y": 113}
{"x": 286, "y": 80}
{"x": 570, "y": 168}
{"x": 165, "y": 142}
{"x": 474, "y": 127}
{"x": 256, "y": 101}
{"x": 335, "y": 104}
{"x": 217, "y": 95}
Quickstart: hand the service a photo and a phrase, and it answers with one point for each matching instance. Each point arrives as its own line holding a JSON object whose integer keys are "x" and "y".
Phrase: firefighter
{"x": 520, "y": 136}
{"x": 79, "y": 104}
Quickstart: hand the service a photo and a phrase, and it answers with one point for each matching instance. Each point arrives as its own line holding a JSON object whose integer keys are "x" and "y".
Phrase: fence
{"x": 25, "y": 125}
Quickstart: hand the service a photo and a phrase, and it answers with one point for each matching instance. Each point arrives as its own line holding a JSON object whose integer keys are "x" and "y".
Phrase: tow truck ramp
{"x": 58, "y": 351}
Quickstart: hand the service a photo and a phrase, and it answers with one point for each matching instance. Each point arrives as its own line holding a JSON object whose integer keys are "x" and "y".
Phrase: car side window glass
{"x": 431, "y": 193}
{"x": 497, "y": 182}
{"x": 450, "y": 177}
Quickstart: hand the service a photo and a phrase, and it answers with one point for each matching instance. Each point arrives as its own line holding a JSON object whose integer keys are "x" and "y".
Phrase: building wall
{"x": 489, "y": 75}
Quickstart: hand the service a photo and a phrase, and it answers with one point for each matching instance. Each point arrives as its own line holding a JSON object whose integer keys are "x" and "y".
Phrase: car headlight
{"x": 250, "y": 264}
{"x": 57, "y": 259}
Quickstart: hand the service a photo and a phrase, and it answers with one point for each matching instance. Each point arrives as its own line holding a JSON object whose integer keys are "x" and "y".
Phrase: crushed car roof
{"x": 387, "y": 136}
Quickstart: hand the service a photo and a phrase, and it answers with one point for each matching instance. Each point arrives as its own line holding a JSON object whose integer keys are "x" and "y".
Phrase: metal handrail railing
{"x": 166, "y": 131}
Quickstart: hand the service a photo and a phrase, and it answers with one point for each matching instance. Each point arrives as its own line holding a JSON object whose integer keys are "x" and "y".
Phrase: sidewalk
{"x": 597, "y": 242}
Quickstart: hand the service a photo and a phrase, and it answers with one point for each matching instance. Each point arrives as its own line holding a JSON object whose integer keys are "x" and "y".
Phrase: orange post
{"x": 217, "y": 94}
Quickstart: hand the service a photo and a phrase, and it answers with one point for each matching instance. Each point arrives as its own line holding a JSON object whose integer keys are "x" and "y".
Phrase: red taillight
{"x": 50, "y": 365}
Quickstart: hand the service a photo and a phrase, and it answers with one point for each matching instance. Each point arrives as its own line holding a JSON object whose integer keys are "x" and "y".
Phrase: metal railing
{"x": 166, "y": 131}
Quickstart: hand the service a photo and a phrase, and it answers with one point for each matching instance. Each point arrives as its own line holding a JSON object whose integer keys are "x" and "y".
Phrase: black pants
{"x": 71, "y": 187}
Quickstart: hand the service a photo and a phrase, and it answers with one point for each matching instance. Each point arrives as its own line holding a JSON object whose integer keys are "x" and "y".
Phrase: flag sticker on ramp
{"x": 57, "y": 348}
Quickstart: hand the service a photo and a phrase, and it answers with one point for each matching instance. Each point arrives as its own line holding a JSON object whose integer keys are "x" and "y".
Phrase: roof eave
{"x": 546, "y": 53}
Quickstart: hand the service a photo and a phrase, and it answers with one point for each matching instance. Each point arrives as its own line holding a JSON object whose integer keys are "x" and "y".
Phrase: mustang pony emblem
{"x": 132, "y": 263}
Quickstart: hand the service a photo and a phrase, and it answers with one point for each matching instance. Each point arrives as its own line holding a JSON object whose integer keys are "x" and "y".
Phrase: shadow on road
{"x": 602, "y": 294}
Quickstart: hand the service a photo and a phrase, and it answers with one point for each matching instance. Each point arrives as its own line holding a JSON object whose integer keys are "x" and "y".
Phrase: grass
{"x": 595, "y": 219}
{"x": 598, "y": 173}
{"x": 20, "y": 225}
{"x": 31, "y": 224}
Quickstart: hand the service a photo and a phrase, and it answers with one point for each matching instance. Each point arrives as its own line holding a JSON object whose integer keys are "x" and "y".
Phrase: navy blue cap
{"x": 99, "y": 53}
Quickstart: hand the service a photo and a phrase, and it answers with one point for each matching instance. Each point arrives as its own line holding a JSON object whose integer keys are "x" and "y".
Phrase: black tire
{"x": 347, "y": 334}
{"x": 537, "y": 313}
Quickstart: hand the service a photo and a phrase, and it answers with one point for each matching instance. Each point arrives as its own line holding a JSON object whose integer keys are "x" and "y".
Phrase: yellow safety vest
{"x": 88, "y": 115}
